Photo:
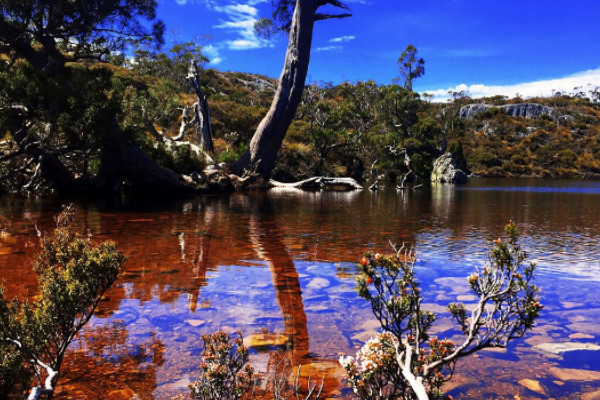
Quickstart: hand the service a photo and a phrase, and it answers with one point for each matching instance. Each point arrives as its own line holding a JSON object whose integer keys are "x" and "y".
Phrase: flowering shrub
{"x": 405, "y": 362}
{"x": 374, "y": 372}
{"x": 224, "y": 372}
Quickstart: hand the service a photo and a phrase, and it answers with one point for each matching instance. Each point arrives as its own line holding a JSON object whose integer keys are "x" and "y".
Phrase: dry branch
{"x": 319, "y": 183}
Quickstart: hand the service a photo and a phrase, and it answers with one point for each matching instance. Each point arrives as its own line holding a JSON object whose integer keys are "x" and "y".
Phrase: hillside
{"x": 363, "y": 130}
{"x": 555, "y": 137}
{"x": 561, "y": 142}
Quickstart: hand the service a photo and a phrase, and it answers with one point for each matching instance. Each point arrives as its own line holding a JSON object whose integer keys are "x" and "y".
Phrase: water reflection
{"x": 282, "y": 262}
{"x": 266, "y": 240}
{"x": 104, "y": 363}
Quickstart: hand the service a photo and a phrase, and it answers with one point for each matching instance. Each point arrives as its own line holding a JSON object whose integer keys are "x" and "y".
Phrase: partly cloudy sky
{"x": 483, "y": 47}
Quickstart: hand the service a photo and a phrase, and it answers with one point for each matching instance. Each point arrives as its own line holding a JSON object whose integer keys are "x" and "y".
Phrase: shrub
{"x": 73, "y": 275}
{"x": 178, "y": 158}
{"x": 224, "y": 372}
{"x": 406, "y": 362}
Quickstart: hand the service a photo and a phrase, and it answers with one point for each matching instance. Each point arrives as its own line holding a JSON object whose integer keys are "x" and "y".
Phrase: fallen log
{"x": 319, "y": 183}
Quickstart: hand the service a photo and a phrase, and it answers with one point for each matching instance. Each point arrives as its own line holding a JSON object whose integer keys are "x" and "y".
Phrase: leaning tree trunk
{"x": 267, "y": 139}
{"x": 201, "y": 111}
{"x": 122, "y": 161}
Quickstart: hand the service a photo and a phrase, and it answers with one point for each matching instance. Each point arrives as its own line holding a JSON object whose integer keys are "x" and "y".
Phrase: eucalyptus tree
{"x": 48, "y": 33}
{"x": 410, "y": 66}
{"x": 297, "y": 19}
{"x": 67, "y": 110}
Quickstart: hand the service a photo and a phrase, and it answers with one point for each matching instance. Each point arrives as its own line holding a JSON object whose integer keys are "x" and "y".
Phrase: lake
{"x": 281, "y": 265}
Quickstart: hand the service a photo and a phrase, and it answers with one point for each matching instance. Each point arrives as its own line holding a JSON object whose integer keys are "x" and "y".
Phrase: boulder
{"x": 445, "y": 170}
{"x": 566, "y": 119}
{"x": 468, "y": 112}
{"x": 525, "y": 110}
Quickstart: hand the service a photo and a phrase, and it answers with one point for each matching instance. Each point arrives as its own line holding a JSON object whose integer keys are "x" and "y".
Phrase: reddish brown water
{"x": 282, "y": 262}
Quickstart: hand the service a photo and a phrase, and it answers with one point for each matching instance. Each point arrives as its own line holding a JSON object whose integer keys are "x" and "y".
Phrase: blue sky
{"x": 483, "y": 46}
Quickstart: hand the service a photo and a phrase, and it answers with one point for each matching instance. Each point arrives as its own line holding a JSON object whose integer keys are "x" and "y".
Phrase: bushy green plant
{"x": 406, "y": 361}
{"x": 179, "y": 158}
{"x": 73, "y": 274}
{"x": 15, "y": 375}
{"x": 230, "y": 155}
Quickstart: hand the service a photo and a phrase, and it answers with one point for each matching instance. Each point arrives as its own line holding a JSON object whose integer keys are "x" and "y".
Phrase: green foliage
{"x": 172, "y": 66}
{"x": 456, "y": 149}
{"x": 410, "y": 66}
{"x": 179, "y": 158}
{"x": 15, "y": 375}
{"x": 73, "y": 274}
{"x": 79, "y": 30}
{"x": 231, "y": 155}
{"x": 406, "y": 359}
{"x": 353, "y": 126}
{"x": 69, "y": 113}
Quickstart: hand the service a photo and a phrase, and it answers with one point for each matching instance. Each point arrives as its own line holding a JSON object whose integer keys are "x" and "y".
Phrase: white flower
{"x": 346, "y": 361}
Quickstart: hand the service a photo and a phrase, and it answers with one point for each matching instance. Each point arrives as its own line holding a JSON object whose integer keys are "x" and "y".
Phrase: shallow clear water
{"x": 283, "y": 262}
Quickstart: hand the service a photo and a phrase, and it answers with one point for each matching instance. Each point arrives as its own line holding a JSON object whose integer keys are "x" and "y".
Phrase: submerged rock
{"x": 559, "y": 349}
{"x": 591, "y": 395}
{"x": 568, "y": 374}
{"x": 329, "y": 371}
{"x": 445, "y": 170}
{"x": 532, "y": 385}
{"x": 265, "y": 340}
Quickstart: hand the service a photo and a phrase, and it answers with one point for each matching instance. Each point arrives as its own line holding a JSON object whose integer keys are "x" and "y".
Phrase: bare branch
{"x": 322, "y": 16}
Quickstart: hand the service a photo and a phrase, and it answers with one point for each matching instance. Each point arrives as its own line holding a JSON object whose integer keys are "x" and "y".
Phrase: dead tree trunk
{"x": 201, "y": 111}
{"x": 267, "y": 139}
{"x": 318, "y": 183}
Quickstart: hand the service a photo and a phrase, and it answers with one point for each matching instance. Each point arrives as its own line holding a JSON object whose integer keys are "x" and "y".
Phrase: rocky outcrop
{"x": 445, "y": 170}
{"x": 470, "y": 111}
{"x": 258, "y": 84}
{"x": 525, "y": 110}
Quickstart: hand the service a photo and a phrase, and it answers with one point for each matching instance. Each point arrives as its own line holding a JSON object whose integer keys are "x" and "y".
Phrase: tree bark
{"x": 269, "y": 135}
{"x": 318, "y": 183}
{"x": 201, "y": 111}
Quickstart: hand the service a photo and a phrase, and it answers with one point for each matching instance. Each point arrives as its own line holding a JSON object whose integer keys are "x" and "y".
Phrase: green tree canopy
{"x": 410, "y": 65}
{"x": 50, "y": 32}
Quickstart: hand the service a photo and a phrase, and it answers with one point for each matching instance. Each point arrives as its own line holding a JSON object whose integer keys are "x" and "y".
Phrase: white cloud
{"x": 237, "y": 9}
{"x": 342, "y": 39}
{"x": 213, "y": 54}
{"x": 241, "y": 20}
{"x": 584, "y": 81}
{"x": 328, "y": 48}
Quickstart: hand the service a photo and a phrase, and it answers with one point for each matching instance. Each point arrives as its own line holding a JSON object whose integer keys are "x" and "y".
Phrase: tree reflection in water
{"x": 106, "y": 363}
{"x": 266, "y": 239}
